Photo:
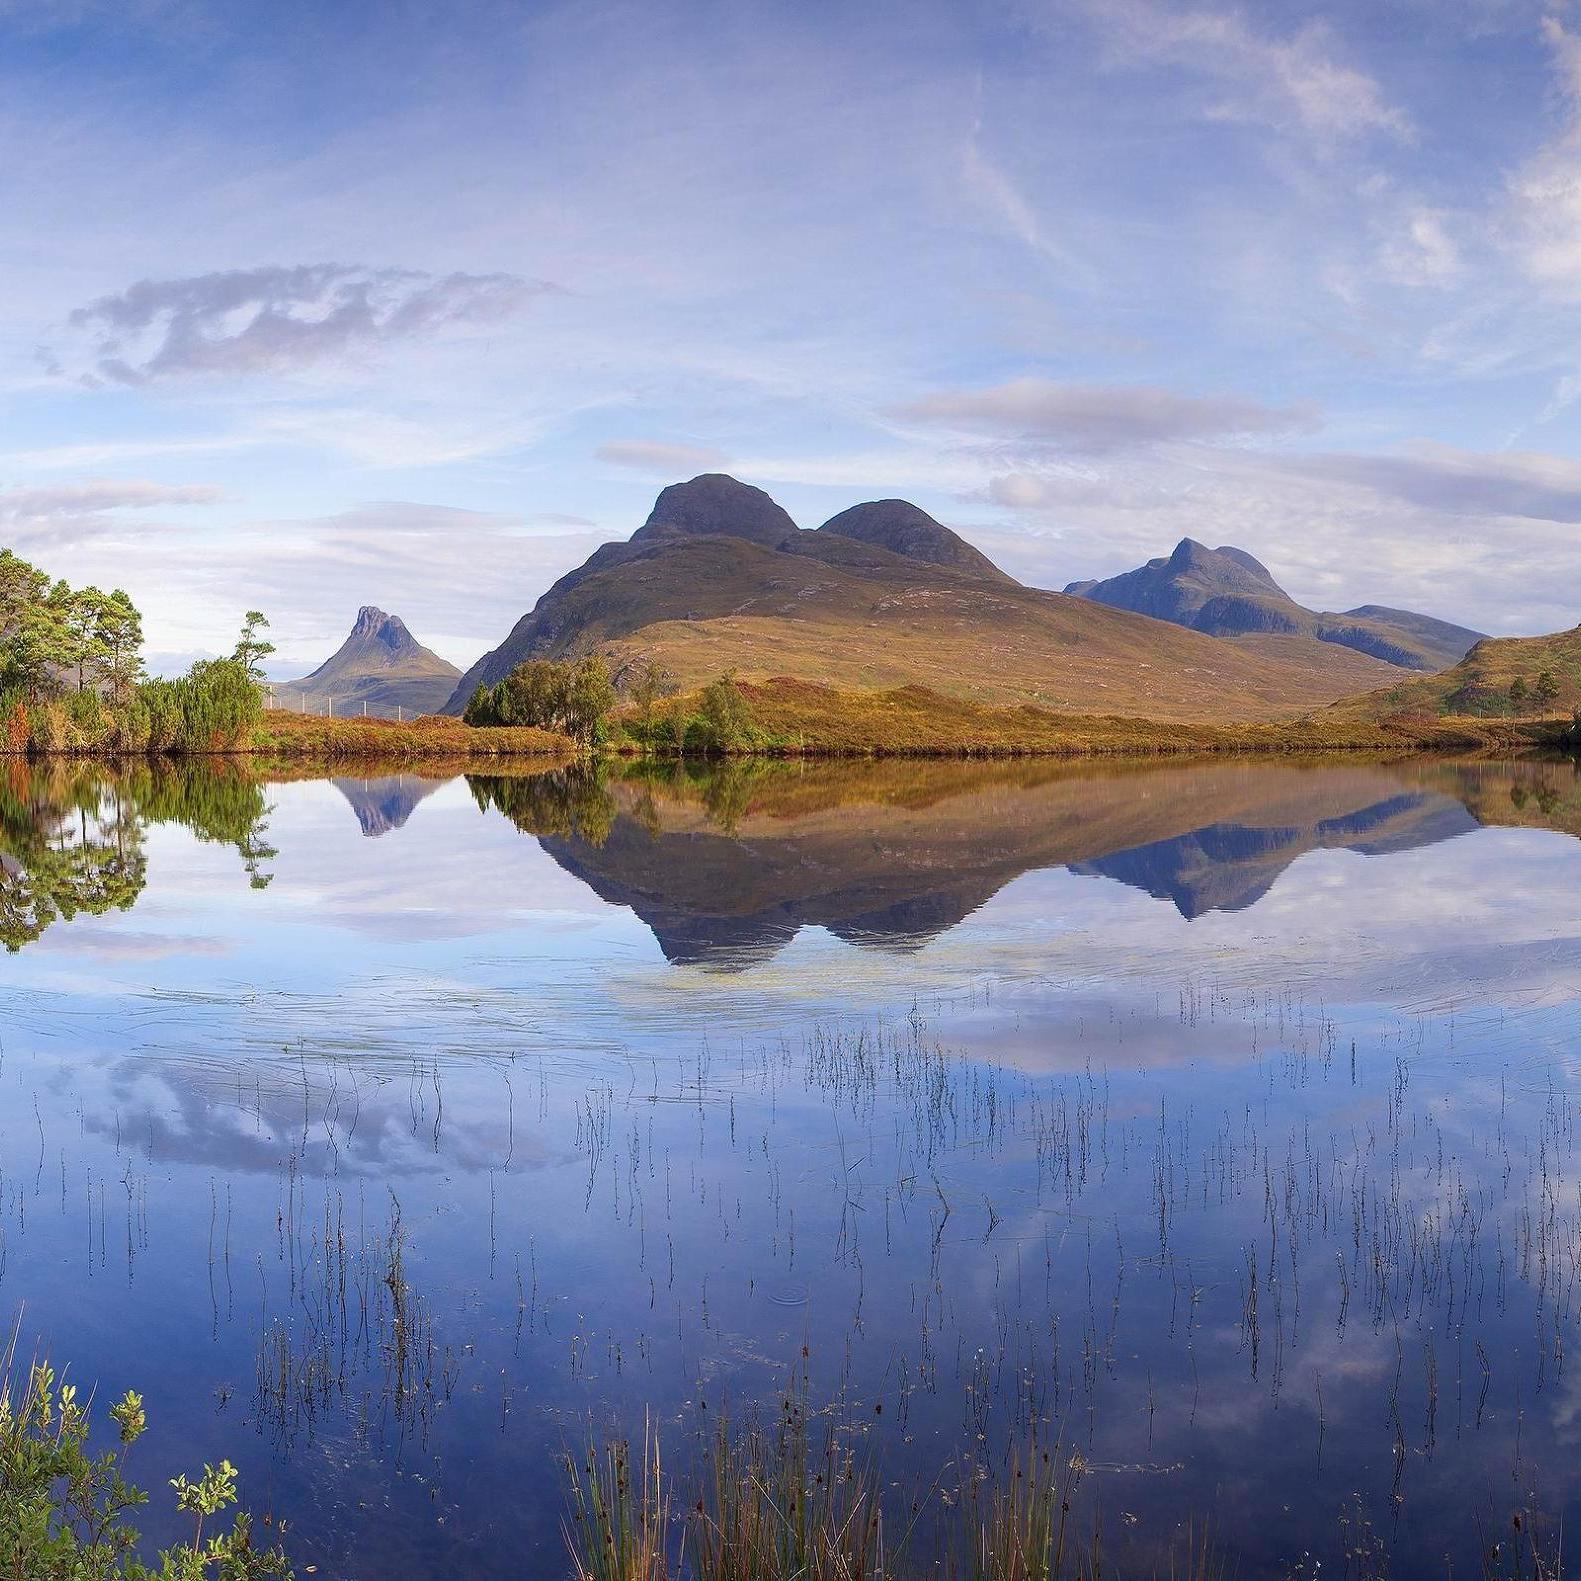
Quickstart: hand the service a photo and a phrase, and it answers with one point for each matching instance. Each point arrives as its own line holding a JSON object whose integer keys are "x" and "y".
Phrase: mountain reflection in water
{"x": 1264, "y": 1195}
{"x": 726, "y": 864}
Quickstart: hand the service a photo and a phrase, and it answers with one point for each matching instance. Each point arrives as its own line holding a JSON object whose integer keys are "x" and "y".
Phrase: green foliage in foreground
{"x": 715, "y": 722}
{"x": 63, "y": 1509}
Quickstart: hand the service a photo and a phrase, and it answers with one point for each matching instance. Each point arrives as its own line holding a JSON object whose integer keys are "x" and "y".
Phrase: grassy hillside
{"x": 719, "y": 603}
{"x": 801, "y": 716}
{"x": 1480, "y": 685}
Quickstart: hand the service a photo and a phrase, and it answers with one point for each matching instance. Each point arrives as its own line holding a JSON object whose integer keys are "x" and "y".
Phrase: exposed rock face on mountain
{"x": 716, "y": 503}
{"x": 381, "y": 664}
{"x": 883, "y": 595}
{"x": 1225, "y": 592}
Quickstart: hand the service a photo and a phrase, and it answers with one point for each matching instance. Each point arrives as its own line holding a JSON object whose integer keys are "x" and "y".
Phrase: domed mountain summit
{"x": 882, "y": 596}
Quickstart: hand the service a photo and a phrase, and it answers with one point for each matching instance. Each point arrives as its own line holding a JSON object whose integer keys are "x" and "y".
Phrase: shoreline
{"x": 802, "y": 721}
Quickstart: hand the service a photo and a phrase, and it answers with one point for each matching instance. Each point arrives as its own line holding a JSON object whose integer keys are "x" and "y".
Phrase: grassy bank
{"x": 786, "y": 717}
{"x": 800, "y": 718}
{"x": 287, "y": 735}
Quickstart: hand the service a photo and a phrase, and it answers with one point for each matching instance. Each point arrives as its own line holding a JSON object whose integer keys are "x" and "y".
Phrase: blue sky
{"x": 412, "y": 304}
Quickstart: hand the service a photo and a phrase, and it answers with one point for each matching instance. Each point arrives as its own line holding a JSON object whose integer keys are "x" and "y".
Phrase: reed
{"x": 619, "y": 1529}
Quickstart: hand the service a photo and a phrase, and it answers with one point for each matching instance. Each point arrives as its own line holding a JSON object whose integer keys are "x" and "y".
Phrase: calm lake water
{"x": 1221, "y": 1119}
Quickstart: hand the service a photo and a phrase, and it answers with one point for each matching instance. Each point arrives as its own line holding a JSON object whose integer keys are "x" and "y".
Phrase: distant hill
{"x": 381, "y": 664}
{"x": 1479, "y": 685}
{"x": 1227, "y": 593}
{"x": 884, "y": 596}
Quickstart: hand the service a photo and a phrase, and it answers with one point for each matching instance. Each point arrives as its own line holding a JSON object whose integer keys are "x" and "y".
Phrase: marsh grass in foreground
{"x": 787, "y": 1502}
{"x": 784, "y": 1502}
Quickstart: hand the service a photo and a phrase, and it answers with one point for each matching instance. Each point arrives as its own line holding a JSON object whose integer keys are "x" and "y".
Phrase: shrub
{"x": 63, "y": 1510}
{"x": 548, "y": 695}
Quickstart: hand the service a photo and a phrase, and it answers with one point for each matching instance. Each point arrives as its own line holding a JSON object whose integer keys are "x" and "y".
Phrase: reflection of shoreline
{"x": 726, "y": 865}
{"x": 733, "y": 889}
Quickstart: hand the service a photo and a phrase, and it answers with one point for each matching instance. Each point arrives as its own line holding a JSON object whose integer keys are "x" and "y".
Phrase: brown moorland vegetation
{"x": 288, "y": 735}
{"x": 802, "y": 717}
{"x": 1502, "y": 677}
{"x": 1005, "y": 647}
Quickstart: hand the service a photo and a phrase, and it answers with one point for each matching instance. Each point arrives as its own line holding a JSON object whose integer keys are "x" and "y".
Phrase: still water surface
{"x": 1221, "y": 1119}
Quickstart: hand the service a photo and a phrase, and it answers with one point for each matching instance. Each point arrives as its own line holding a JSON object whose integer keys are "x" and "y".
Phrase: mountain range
{"x": 882, "y": 595}
{"x": 1225, "y": 592}
{"x": 380, "y": 669}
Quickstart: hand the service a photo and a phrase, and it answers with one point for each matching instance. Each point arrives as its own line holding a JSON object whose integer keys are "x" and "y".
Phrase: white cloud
{"x": 26, "y": 505}
{"x": 274, "y": 320}
{"x": 1099, "y": 417}
{"x": 1421, "y": 251}
{"x": 1545, "y": 192}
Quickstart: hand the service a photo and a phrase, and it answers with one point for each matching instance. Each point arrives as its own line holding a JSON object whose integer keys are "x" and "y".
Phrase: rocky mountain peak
{"x": 716, "y": 503}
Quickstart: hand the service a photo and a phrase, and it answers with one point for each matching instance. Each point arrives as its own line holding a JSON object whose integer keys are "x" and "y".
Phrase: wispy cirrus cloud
{"x": 1526, "y": 484}
{"x": 1095, "y": 417}
{"x": 1299, "y": 80}
{"x": 278, "y": 319}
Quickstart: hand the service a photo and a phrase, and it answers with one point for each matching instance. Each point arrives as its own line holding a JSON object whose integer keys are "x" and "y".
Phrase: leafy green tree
{"x": 38, "y": 646}
{"x": 724, "y": 722}
{"x": 120, "y": 636}
{"x": 534, "y": 693}
{"x": 651, "y": 682}
{"x": 589, "y": 696}
{"x": 574, "y": 698}
{"x": 482, "y": 707}
{"x": 21, "y": 584}
{"x": 1518, "y": 693}
{"x": 83, "y": 614}
{"x": 1546, "y": 690}
{"x": 251, "y": 646}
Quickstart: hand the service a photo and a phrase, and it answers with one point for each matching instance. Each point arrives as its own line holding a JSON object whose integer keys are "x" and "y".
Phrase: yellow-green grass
{"x": 1007, "y": 648}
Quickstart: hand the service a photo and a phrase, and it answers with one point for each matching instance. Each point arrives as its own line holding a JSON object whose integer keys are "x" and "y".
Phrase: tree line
{"x": 578, "y": 698}
{"x": 72, "y": 676}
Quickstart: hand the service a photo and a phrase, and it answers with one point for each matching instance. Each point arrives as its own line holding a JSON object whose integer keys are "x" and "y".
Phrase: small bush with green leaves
{"x": 64, "y": 1509}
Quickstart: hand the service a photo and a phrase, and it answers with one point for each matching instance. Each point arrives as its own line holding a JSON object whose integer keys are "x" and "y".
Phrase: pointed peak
{"x": 370, "y": 618}
{"x": 1188, "y": 552}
